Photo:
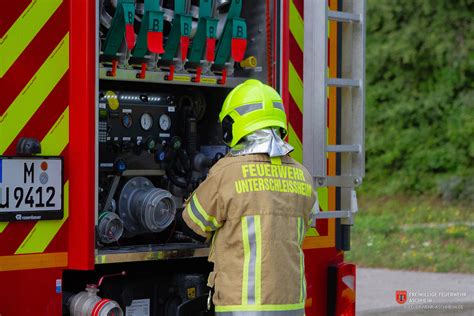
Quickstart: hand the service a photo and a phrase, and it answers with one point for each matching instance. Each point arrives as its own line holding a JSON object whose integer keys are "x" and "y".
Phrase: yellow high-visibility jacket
{"x": 260, "y": 209}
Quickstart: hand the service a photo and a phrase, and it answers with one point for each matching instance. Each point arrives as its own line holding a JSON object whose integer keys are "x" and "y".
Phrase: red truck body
{"x": 48, "y": 85}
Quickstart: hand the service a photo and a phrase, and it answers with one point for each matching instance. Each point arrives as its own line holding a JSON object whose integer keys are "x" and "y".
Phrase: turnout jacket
{"x": 259, "y": 208}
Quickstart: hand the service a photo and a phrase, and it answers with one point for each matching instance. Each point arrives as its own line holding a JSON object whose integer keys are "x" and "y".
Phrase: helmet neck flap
{"x": 262, "y": 141}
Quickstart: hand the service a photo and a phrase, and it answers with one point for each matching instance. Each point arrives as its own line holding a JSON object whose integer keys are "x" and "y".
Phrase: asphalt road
{"x": 427, "y": 293}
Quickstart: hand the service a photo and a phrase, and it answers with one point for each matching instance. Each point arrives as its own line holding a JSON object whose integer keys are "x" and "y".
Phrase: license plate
{"x": 31, "y": 188}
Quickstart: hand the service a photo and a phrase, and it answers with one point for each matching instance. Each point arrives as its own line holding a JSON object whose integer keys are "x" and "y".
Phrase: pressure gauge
{"x": 127, "y": 120}
{"x": 165, "y": 122}
{"x": 146, "y": 121}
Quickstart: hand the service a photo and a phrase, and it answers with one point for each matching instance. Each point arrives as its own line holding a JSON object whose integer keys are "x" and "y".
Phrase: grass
{"x": 413, "y": 234}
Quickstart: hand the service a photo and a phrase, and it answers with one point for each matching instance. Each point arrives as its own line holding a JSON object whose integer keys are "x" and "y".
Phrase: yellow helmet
{"x": 249, "y": 107}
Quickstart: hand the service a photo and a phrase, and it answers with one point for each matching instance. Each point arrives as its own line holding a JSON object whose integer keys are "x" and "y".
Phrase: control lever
{"x": 123, "y": 273}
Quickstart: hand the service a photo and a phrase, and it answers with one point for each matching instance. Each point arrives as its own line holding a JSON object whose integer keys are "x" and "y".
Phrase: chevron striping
{"x": 296, "y": 56}
{"x": 46, "y": 116}
{"x": 33, "y": 56}
{"x": 52, "y": 144}
{"x": 294, "y": 141}
{"x": 295, "y": 86}
{"x": 299, "y": 5}
{"x": 58, "y": 137}
{"x": 10, "y": 14}
{"x": 24, "y": 30}
{"x": 33, "y": 95}
{"x": 296, "y": 25}
{"x": 44, "y": 231}
{"x": 296, "y": 89}
{"x": 3, "y": 225}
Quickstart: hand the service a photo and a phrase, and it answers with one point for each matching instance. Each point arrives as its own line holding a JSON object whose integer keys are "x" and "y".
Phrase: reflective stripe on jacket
{"x": 259, "y": 209}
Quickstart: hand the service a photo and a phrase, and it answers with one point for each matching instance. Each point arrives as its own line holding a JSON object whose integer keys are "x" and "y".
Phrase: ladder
{"x": 352, "y": 84}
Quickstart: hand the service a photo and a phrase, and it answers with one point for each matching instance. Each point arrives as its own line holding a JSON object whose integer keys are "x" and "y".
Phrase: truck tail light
{"x": 342, "y": 289}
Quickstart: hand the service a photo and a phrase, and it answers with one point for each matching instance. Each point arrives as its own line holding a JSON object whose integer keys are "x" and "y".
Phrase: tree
{"x": 420, "y": 96}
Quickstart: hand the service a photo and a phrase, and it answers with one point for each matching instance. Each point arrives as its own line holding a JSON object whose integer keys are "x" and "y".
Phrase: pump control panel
{"x": 155, "y": 146}
{"x": 134, "y": 128}
{"x": 165, "y": 69}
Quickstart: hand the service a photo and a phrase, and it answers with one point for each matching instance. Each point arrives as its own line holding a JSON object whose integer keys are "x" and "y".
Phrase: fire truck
{"x": 109, "y": 120}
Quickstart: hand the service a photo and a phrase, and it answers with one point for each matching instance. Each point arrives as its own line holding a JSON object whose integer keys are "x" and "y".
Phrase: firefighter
{"x": 256, "y": 205}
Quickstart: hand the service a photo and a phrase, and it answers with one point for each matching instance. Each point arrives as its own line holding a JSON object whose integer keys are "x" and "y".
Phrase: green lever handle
{"x": 179, "y": 34}
{"x": 150, "y": 36}
{"x": 205, "y": 35}
{"x": 121, "y": 27}
{"x": 234, "y": 38}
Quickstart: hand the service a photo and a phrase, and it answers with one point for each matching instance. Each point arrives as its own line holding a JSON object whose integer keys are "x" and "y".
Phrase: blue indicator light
{"x": 120, "y": 165}
{"x": 161, "y": 156}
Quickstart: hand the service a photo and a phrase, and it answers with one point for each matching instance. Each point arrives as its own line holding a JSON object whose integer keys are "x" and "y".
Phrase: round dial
{"x": 165, "y": 122}
{"x": 127, "y": 120}
{"x": 146, "y": 121}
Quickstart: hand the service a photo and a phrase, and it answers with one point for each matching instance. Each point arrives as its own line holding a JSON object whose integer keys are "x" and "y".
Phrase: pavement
{"x": 426, "y": 293}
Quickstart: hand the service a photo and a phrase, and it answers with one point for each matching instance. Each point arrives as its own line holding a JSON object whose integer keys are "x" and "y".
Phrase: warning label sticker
{"x": 138, "y": 308}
